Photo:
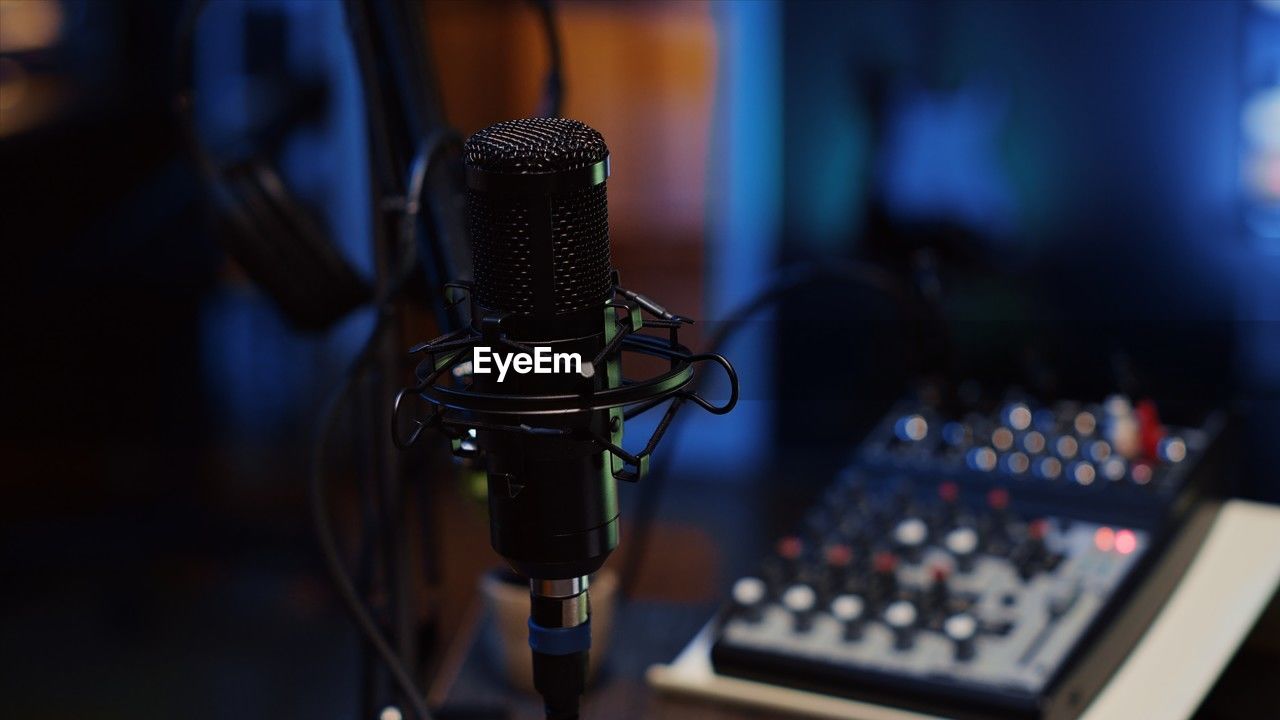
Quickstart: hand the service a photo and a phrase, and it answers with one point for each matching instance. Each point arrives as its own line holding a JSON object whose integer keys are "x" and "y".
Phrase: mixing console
{"x": 964, "y": 564}
{"x": 1113, "y": 457}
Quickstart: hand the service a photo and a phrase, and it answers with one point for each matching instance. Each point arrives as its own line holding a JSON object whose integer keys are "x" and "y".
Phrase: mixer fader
{"x": 968, "y": 562}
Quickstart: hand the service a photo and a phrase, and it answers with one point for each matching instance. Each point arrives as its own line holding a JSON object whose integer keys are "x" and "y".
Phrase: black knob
{"x": 962, "y": 629}
{"x": 962, "y": 543}
{"x": 1031, "y": 555}
{"x": 945, "y": 513}
{"x": 850, "y": 611}
{"x": 800, "y": 600}
{"x": 910, "y": 536}
{"x": 838, "y": 559}
{"x": 884, "y": 576}
{"x": 782, "y": 568}
{"x": 939, "y": 594}
{"x": 901, "y": 617}
{"x": 748, "y": 598}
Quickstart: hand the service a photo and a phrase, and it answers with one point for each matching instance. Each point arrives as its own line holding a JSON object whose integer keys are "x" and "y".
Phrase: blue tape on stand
{"x": 560, "y": 641}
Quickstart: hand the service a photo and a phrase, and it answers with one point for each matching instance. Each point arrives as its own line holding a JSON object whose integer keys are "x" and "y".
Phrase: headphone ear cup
{"x": 285, "y": 251}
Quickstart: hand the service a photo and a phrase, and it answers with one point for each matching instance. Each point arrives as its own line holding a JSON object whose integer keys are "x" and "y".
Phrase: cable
{"x": 787, "y": 281}
{"x": 331, "y": 411}
{"x": 328, "y": 544}
{"x": 553, "y": 89}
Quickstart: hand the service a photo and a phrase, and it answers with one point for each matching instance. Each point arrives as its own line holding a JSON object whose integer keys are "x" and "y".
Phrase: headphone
{"x": 282, "y": 247}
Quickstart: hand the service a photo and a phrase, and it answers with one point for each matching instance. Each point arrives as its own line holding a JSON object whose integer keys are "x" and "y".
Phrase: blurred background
{"x": 1083, "y": 196}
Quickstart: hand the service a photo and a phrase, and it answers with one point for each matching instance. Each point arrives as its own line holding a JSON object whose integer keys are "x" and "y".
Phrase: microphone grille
{"x": 535, "y": 145}
{"x": 580, "y": 249}
{"x": 502, "y": 252}
{"x": 503, "y": 241}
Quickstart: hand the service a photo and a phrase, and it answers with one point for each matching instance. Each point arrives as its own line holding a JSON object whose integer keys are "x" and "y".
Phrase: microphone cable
{"x": 788, "y": 280}
{"x": 553, "y": 86}
{"x": 331, "y": 411}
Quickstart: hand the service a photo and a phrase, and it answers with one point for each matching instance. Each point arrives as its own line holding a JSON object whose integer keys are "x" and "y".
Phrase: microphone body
{"x": 538, "y": 220}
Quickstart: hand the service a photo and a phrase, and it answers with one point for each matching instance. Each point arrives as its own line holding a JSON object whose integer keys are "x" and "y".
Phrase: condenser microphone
{"x": 539, "y": 226}
{"x": 533, "y": 385}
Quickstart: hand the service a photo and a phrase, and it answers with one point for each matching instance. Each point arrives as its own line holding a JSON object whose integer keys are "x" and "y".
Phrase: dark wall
{"x": 1071, "y": 169}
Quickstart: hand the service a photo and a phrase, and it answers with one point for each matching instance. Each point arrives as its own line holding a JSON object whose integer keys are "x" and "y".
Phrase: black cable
{"x": 325, "y": 535}
{"x": 406, "y": 251}
{"x": 553, "y": 87}
{"x": 787, "y": 281}
{"x": 331, "y": 411}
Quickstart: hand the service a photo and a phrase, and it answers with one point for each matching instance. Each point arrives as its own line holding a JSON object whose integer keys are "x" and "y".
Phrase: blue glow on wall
{"x": 941, "y": 158}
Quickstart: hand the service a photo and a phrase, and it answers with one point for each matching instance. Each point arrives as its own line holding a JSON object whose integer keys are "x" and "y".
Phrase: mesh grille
{"x": 501, "y": 252}
{"x": 580, "y": 249}
{"x": 535, "y": 145}
{"x": 510, "y": 262}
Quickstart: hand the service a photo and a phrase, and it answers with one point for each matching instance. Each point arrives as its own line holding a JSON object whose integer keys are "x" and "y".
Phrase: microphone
{"x": 539, "y": 229}
{"x": 533, "y": 384}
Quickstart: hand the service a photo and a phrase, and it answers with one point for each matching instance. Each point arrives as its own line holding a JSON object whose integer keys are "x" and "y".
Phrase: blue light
{"x": 941, "y": 158}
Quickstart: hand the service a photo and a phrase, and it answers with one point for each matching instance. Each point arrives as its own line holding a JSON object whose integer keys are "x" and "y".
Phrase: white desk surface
{"x": 1175, "y": 664}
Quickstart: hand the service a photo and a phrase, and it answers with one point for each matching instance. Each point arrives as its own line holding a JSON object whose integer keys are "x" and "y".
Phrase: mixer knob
{"x": 1002, "y": 439}
{"x": 998, "y": 500}
{"x": 901, "y": 617}
{"x": 1082, "y": 472}
{"x": 1033, "y": 442}
{"x": 1141, "y": 473}
{"x": 962, "y": 629}
{"x": 1115, "y": 469}
{"x": 1066, "y": 446}
{"x": 962, "y": 542}
{"x": 1085, "y": 423}
{"x": 790, "y": 548}
{"x": 939, "y": 594}
{"x": 1031, "y": 556}
{"x": 1048, "y": 468}
{"x": 911, "y": 428}
{"x": 849, "y": 610}
{"x": 995, "y": 524}
{"x": 781, "y": 568}
{"x": 884, "y": 577}
{"x": 1172, "y": 449}
{"x": 1015, "y": 463}
{"x": 1017, "y": 415}
{"x": 800, "y": 600}
{"x": 943, "y": 514}
{"x": 748, "y": 597}
{"x": 838, "y": 559}
{"x": 948, "y": 493}
{"x": 910, "y": 535}
{"x": 838, "y": 556}
{"x": 982, "y": 459}
{"x": 1097, "y": 450}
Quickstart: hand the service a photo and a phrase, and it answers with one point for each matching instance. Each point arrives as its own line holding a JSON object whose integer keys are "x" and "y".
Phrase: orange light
{"x": 1104, "y": 538}
{"x": 29, "y": 26}
{"x": 1126, "y": 542}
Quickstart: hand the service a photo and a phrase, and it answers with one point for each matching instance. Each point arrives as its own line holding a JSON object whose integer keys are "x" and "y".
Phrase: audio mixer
{"x": 967, "y": 562}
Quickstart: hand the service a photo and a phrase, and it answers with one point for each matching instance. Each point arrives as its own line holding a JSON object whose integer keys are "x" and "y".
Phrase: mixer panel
{"x": 943, "y": 566}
